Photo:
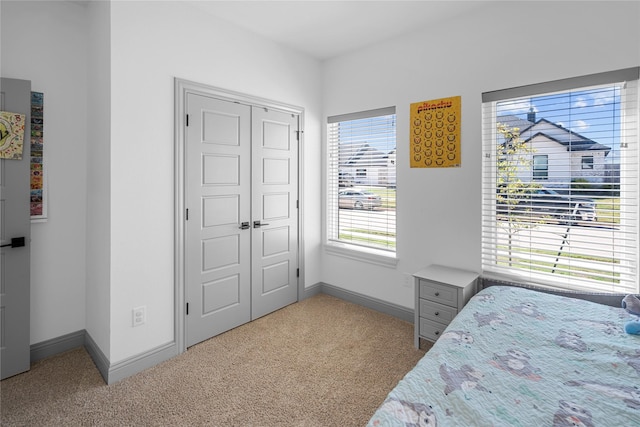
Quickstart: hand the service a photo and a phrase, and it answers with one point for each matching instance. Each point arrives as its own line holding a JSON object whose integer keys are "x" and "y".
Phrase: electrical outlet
{"x": 408, "y": 280}
{"x": 139, "y": 315}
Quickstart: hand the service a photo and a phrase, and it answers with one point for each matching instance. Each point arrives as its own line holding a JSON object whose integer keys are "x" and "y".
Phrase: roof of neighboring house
{"x": 543, "y": 127}
{"x": 514, "y": 122}
{"x": 366, "y": 155}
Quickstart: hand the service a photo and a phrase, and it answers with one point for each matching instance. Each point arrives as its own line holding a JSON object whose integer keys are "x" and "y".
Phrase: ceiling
{"x": 325, "y": 29}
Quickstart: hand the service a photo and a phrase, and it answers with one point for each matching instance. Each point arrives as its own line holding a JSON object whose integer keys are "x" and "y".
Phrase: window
{"x": 560, "y": 183}
{"x": 361, "y": 194}
{"x": 587, "y": 162}
{"x": 541, "y": 167}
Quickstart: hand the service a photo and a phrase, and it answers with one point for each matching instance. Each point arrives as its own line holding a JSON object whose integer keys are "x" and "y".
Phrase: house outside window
{"x": 361, "y": 185}
{"x": 541, "y": 167}
{"x": 552, "y": 214}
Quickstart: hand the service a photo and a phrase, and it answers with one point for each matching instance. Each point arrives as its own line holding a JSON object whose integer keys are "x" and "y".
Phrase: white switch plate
{"x": 139, "y": 315}
{"x": 408, "y": 280}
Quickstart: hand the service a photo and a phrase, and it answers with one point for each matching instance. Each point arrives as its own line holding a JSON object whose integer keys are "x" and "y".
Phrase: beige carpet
{"x": 320, "y": 362}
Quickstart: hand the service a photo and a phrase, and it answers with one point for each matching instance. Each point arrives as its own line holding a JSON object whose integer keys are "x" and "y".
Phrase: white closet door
{"x": 274, "y": 205}
{"x": 241, "y": 233}
{"x": 218, "y": 199}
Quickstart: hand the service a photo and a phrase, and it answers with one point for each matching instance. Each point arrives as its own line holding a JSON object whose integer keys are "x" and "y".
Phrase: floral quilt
{"x": 518, "y": 357}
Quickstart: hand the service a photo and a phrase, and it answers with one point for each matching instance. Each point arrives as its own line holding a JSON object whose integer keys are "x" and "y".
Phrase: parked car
{"x": 548, "y": 203}
{"x": 345, "y": 180}
{"x": 354, "y": 198}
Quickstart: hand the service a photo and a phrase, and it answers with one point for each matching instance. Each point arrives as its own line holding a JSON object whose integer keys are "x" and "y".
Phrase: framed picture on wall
{"x": 435, "y": 133}
{"x": 38, "y": 197}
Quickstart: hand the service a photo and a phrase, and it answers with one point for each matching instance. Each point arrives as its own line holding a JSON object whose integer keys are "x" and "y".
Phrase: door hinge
{"x": 297, "y": 204}
{"x": 187, "y": 309}
{"x": 297, "y": 272}
{"x": 187, "y": 215}
{"x": 187, "y": 120}
{"x": 298, "y": 132}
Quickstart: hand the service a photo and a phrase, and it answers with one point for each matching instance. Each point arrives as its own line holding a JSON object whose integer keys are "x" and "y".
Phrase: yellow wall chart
{"x": 435, "y": 133}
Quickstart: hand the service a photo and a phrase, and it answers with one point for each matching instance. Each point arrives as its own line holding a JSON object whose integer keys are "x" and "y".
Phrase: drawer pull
{"x": 437, "y": 294}
{"x": 437, "y": 313}
{"x": 437, "y": 332}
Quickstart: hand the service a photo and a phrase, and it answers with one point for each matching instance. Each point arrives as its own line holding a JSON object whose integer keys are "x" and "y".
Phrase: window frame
{"x": 586, "y": 165}
{"x": 332, "y": 243}
{"x": 540, "y": 174}
{"x": 629, "y": 148}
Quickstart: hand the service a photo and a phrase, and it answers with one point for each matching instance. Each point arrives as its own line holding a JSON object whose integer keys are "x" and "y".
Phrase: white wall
{"x": 151, "y": 43}
{"x": 46, "y": 43}
{"x": 507, "y": 45}
{"x": 98, "y": 170}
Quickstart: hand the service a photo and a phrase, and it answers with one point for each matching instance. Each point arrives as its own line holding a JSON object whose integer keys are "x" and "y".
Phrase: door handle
{"x": 244, "y": 225}
{"x": 16, "y": 242}
{"x": 258, "y": 224}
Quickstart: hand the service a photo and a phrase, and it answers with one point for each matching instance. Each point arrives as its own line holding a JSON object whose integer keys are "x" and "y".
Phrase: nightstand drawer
{"x": 436, "y": 292}
{"x": 437, "y": 312}
{"x": 431, "y": 330}
{"x": 440, "y": 293}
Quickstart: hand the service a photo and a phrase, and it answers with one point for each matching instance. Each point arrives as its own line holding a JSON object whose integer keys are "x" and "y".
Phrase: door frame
{"x": 181, "y": 89}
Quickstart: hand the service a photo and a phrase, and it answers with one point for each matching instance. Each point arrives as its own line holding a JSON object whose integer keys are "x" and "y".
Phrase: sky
{"x": 593, "y": 113}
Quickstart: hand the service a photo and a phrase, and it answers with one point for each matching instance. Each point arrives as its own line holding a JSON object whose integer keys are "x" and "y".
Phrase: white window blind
{"x": 576, "y": 227}
{"x": 361, "y": 190}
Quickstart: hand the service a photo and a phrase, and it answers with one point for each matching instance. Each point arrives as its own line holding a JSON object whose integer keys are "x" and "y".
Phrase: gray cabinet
{"x": 440, "y": 294}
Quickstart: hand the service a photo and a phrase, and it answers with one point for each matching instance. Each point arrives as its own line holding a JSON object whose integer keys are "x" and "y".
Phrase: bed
{"x": 519, "y": 357}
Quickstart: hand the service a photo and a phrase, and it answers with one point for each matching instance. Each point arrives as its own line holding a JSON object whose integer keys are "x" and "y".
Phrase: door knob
{"x": 244, "y": 225}
{"x": 258, "y": 224}
{"x": 16, "y": 242}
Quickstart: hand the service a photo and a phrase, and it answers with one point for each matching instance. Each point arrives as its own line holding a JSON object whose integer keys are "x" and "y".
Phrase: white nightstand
{"x": 441, "y": 292}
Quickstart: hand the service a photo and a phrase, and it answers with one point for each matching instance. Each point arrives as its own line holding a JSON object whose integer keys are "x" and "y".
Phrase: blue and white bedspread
{"x": 517, "y": 357}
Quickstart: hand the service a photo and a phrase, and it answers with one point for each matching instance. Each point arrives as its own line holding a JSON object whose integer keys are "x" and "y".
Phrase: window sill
{"x": 544, "y": 282}
{"x": 358, "y": 253}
